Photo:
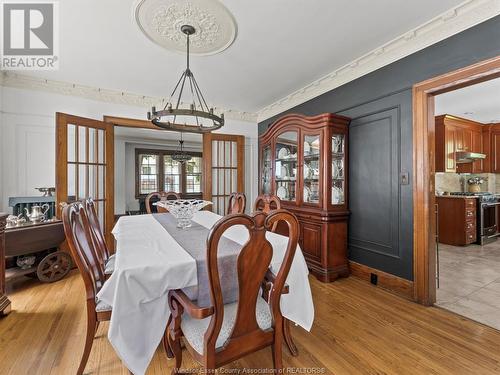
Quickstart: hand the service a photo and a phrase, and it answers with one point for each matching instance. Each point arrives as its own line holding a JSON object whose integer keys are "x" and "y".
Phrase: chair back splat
{"x": 251, "y": 331}
{"x": 237, "y": 203}
{"x": 95, "y": 228}
{"x": 266, "y": 203}
{"x": 159, "y": 196}
{"x": 83, "y": 249}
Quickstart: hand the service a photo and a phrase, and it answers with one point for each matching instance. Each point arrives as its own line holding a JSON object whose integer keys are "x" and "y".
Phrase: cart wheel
{"x": 54, "y": 267}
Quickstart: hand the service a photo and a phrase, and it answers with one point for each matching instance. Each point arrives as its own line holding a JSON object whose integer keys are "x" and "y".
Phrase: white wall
{"x": 27, "y": 140}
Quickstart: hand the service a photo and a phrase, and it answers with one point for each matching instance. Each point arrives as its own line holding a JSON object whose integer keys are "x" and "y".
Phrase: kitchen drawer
{"x": 470, "y": 236}
{"x": 470, "y": 213}
{"x": 470, "y": 225}
{"x": 470, "y": 203}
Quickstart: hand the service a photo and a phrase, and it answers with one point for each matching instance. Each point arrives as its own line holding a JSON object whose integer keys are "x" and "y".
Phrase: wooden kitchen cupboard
{"x": 457, "y": 134}
{"x": 493, "y": 156}
{"x": 304, "y": 161}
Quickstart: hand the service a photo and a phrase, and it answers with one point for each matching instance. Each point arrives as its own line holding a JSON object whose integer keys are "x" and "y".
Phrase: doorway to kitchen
{"x": 467, "y": 186}
{"x": 424, "y": 168}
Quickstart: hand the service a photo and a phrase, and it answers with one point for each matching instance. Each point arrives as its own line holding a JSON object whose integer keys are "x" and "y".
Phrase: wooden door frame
{"x": 424, "y": 226}
{"x": 62, "y": 173}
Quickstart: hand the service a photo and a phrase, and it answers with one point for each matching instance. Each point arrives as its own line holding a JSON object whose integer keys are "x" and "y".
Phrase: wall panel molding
{"x": 465, "y": 15}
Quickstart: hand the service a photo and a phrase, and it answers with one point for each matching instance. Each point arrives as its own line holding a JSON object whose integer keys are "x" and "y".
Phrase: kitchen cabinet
{"x": 304, "y": 161}
{"x": 456, "y": 134}
{"x": 457, "y": 220}
{"x": 495, "y": 149}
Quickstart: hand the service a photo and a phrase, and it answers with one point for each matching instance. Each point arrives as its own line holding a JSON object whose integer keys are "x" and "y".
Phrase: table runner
{"x": 194, "y": 241}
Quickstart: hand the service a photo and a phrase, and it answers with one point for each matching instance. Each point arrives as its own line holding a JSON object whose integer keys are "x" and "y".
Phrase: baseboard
{"x": 393, "y": 284}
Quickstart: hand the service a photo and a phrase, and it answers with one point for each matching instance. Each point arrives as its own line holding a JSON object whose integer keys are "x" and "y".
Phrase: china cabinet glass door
{"x": 338, "y": 169}
{"x": 266, "y": 174}
{"x": 285, "y": 165}
{"x": 311, "y": 170}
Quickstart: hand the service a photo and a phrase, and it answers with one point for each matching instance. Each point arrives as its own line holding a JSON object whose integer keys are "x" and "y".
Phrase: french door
{"x": 84, "y": 166}
{"x": 223, "y": 161}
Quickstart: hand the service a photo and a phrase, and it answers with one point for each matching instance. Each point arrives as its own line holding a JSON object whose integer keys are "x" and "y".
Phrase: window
{"x": 193, "y": 175}
{"x": 148, "y": 176}
{"x": 156, "y": 171}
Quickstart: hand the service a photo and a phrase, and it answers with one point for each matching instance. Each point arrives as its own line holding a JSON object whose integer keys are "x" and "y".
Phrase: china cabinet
{"x": 304, "y": 161}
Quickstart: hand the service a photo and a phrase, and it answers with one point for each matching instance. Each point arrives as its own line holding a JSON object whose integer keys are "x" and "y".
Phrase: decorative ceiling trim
{"x": 20, "y": 81}
{"x": 465, "y": 15}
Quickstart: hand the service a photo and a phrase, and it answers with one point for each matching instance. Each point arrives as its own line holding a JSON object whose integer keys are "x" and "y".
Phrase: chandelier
{"x": 198, "y": 118}
{"x": 180, "y": 155}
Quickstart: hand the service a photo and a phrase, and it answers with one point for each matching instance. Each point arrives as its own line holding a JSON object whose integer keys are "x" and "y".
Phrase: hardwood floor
{"x": 358, "y": 329}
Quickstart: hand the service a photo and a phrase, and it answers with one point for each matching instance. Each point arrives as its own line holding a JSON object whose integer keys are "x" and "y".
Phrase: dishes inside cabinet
{"x": 337, "y": 195}
{"x": 283, "y": 153}
{"x": 307, "y": 171}
{"x": 338, "y": 168}
{"x": 307, "y": 194}
{"x": 282, "y": 192}
{"x": 307, "y": 148}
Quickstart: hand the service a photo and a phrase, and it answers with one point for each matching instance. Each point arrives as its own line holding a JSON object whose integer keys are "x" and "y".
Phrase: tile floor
{"x": 470, "y": 281}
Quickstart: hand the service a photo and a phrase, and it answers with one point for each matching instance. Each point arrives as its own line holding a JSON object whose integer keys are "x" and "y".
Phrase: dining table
{"x": 153, "y": 257}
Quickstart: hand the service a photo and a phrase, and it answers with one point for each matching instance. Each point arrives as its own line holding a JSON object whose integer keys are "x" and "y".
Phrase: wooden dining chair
{"x": 107, "y": 259}
{"x": 82, "y": 247}
{"x": 222, "y": 333}
{"x": 159, "y": 196}
{"x": 266, "y": 203}
{"x": 237, "y": 203}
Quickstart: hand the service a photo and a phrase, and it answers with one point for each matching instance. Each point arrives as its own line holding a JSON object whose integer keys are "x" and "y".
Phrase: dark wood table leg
{"x": 288, "y": 338}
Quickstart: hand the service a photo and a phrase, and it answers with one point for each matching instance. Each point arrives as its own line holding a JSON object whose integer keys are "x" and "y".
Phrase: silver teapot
{"x": 37, "y": 213}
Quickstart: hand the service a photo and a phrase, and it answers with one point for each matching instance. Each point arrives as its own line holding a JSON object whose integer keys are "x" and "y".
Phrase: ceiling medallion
{"x": 161, "y": 20}
{"x": 198, "y": 118}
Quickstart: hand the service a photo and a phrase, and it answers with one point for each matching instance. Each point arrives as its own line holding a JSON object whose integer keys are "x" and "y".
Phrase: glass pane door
{"x": 85, "y": 166}
{"x": 338, "y": 169}
{"x": 285, "y": 165}
{"x": 223, "y": 162}
{"x": 266, "y": 170}
{"x": 311, "y": 169}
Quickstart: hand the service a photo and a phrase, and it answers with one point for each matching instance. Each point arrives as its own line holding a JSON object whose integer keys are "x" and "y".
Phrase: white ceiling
{"x": 480, "y": 102}
{"x": 281, "y": 46}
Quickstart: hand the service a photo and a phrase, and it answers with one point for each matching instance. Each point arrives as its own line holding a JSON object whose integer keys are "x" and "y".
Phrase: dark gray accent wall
{"x": 379, "y": 104}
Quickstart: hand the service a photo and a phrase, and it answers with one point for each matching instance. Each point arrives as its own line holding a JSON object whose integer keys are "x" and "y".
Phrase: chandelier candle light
{"x": 198, "y": 110}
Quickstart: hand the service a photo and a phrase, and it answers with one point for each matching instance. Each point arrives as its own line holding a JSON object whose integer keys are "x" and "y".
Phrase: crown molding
{"x": 465, "y": 15}
{"x": 9, "y": 79}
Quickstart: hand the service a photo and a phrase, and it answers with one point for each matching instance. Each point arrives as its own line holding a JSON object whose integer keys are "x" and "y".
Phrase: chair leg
{"x": 277, "y": 357}
{"x": 166, "y": 345}
{"x": 91, "y": 330}
{"x": 175, "y": 346}
{"x": 287, "y": 334}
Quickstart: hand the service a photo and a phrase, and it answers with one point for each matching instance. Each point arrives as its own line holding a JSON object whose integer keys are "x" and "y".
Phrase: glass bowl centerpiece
{"x": 183, "y": 209}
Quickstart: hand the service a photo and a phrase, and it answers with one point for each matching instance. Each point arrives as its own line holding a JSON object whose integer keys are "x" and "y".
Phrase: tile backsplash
{"x": 455, "y": 181}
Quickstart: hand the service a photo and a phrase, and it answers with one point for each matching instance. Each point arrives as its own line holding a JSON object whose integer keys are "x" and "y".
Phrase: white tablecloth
{"x": 149, "y": 262}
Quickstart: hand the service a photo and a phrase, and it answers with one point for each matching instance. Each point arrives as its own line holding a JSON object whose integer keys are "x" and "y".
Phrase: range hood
{"x": 468, "y": 157}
